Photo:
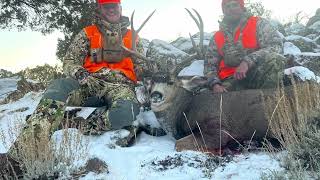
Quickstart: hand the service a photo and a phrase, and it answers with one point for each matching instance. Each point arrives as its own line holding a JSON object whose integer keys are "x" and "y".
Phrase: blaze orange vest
{"x": 249, "y": 41}
{"x": 126, "y": 65}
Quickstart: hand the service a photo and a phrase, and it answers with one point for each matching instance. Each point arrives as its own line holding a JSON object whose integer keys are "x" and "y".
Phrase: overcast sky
{"x": 27, "y": 49}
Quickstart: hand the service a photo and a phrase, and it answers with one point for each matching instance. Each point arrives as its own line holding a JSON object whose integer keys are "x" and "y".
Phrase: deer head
{"x": 170, "y": 93}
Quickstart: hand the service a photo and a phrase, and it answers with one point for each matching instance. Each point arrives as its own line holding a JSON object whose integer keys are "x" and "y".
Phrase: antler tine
{"x": 194, "y": 45}
{"x": 134, "y": 33}
{"x": 201, "y": 28}
{"x": 145, "y": 21}
{"x": 194, "y": 18}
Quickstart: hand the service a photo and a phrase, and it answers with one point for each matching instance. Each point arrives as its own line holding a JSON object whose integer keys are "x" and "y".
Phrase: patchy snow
{"x": 310, "y": 54}
{"x": 248, "y": 167}
{"x": 281, "y": 35}
{"x": 12, "y": 120}
{"x": 303, "y": 73}
{"x": 290, "y": 48}
{"x": 7, "y": 85}
{"x": 143, "y": 160}
{"x": 297, "y": 37}
{"x": 168, "y": 49}
{"x": 148, "y": 118}
{"x": 295, "y": 28}
{"x": 195, "y": 69}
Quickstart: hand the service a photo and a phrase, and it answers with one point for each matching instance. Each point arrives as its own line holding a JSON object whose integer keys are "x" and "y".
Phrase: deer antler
{"x": 199, "y": 49}
{"x": 134, "y": 51}
{"x": 200, "y": 25}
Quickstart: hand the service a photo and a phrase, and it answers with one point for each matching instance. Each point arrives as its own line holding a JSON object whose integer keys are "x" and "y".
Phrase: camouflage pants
{"x": 267, "y": 73}
{"x": 50, "y": 114}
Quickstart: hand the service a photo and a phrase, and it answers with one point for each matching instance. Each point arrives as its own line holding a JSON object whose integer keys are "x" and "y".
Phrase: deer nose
{"x": 156, "y": 97}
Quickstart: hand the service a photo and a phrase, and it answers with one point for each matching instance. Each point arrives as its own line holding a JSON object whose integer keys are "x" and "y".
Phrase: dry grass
{"x": 294, "y": 121}
{"x": 294, "y": 107}
{"x": 42, "y": 156}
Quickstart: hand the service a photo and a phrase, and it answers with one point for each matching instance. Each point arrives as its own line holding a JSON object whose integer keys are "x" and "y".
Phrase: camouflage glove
{"x": 109, "y": 75}
{"x": 233, "y": 54}
{"x": 82, "y": 76}
{"x": 87, "y": 80}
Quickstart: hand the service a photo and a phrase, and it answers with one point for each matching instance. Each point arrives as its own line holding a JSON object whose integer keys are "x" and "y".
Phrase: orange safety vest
{"x": 249, "y": 41}
{"x": 126, "y": 65}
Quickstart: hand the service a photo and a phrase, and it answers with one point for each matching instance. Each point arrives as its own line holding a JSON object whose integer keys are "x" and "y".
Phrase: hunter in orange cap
{"x": 245, "y": 53}
{"x": 101, "y": 71}
{"x": 108, "y": 2}
{"x": 110, "y": 10}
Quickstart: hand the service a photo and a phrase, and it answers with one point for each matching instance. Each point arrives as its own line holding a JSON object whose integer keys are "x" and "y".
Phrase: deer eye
{"x": 156, "y": 97}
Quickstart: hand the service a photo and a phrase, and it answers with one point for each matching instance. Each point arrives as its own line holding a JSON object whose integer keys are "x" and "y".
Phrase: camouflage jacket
{"x": 80, "y": 48}
{"x": 268, "y": 39}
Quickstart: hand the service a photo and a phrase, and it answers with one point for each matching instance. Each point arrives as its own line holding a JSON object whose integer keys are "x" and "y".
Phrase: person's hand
{"x": 241, "y": 71}
{"x": 82, "y": 76}
{"x": 217, "y": 88}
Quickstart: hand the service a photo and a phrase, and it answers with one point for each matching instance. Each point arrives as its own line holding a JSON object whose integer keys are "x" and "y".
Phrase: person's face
{"x": 232, "y": 10}
{"x": 112, "y": 12}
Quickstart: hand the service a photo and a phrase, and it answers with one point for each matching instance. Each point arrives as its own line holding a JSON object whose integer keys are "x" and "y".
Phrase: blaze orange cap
{"x": 109, "y": 1}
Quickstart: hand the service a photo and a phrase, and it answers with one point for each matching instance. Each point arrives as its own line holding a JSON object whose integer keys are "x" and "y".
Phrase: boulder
{"x": 295, "y": 29}
{"x": 185, "y": 44}
{"x": 315, "y": 27}
{"x": 165, "y": 54}
{"x": 278, "y": 26}
{"x": 290, "y": 49}
{"x": 309, "y": 60}
{"x": 314, "y": 19}
{"x": 317, "y": 40}
{"x": 145, "y": 44}
{"x": 303, "y": 43}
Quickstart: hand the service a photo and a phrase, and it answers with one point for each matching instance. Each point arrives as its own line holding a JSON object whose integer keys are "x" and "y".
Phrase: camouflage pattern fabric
{"x": 112, "y": 87}
{"x": 108, "y": 85}
{"x": 266, "y": 74}
{"x": 80, "y": 47}
{"x": 46, "y": 119}
{"x": 268, "y": 39}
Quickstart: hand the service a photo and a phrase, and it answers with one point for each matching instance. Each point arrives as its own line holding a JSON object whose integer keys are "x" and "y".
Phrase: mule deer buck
{"x": 199, "y": 119}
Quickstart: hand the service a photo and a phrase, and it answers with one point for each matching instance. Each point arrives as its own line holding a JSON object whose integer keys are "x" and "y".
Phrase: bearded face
{"x": 233, "y": 11}
{"x": 111, "y": 12}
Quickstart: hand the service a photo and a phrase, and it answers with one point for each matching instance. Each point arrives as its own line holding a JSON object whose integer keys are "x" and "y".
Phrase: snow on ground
{"x": 248, "y": 167}
{"x": 310, "y": 54}
{"x": 195, "y": 69}
{"x": 155, "y": 158}
{"x": 7, "y": 85}
{"x": 12, "y": 118}
{"x": 303, "y": 73}
{"x": 297, "y": 37}
{"x": 290, "y": 48}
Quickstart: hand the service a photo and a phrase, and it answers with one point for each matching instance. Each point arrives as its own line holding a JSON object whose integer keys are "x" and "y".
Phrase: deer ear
{"x": 193, "y": 83}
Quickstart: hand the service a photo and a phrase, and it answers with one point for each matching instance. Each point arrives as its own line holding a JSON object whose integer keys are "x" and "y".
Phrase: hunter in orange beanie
{"x": 108, "y": 1}
{"x": 240, "y": 50}
{"x": 110, "y": 10}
